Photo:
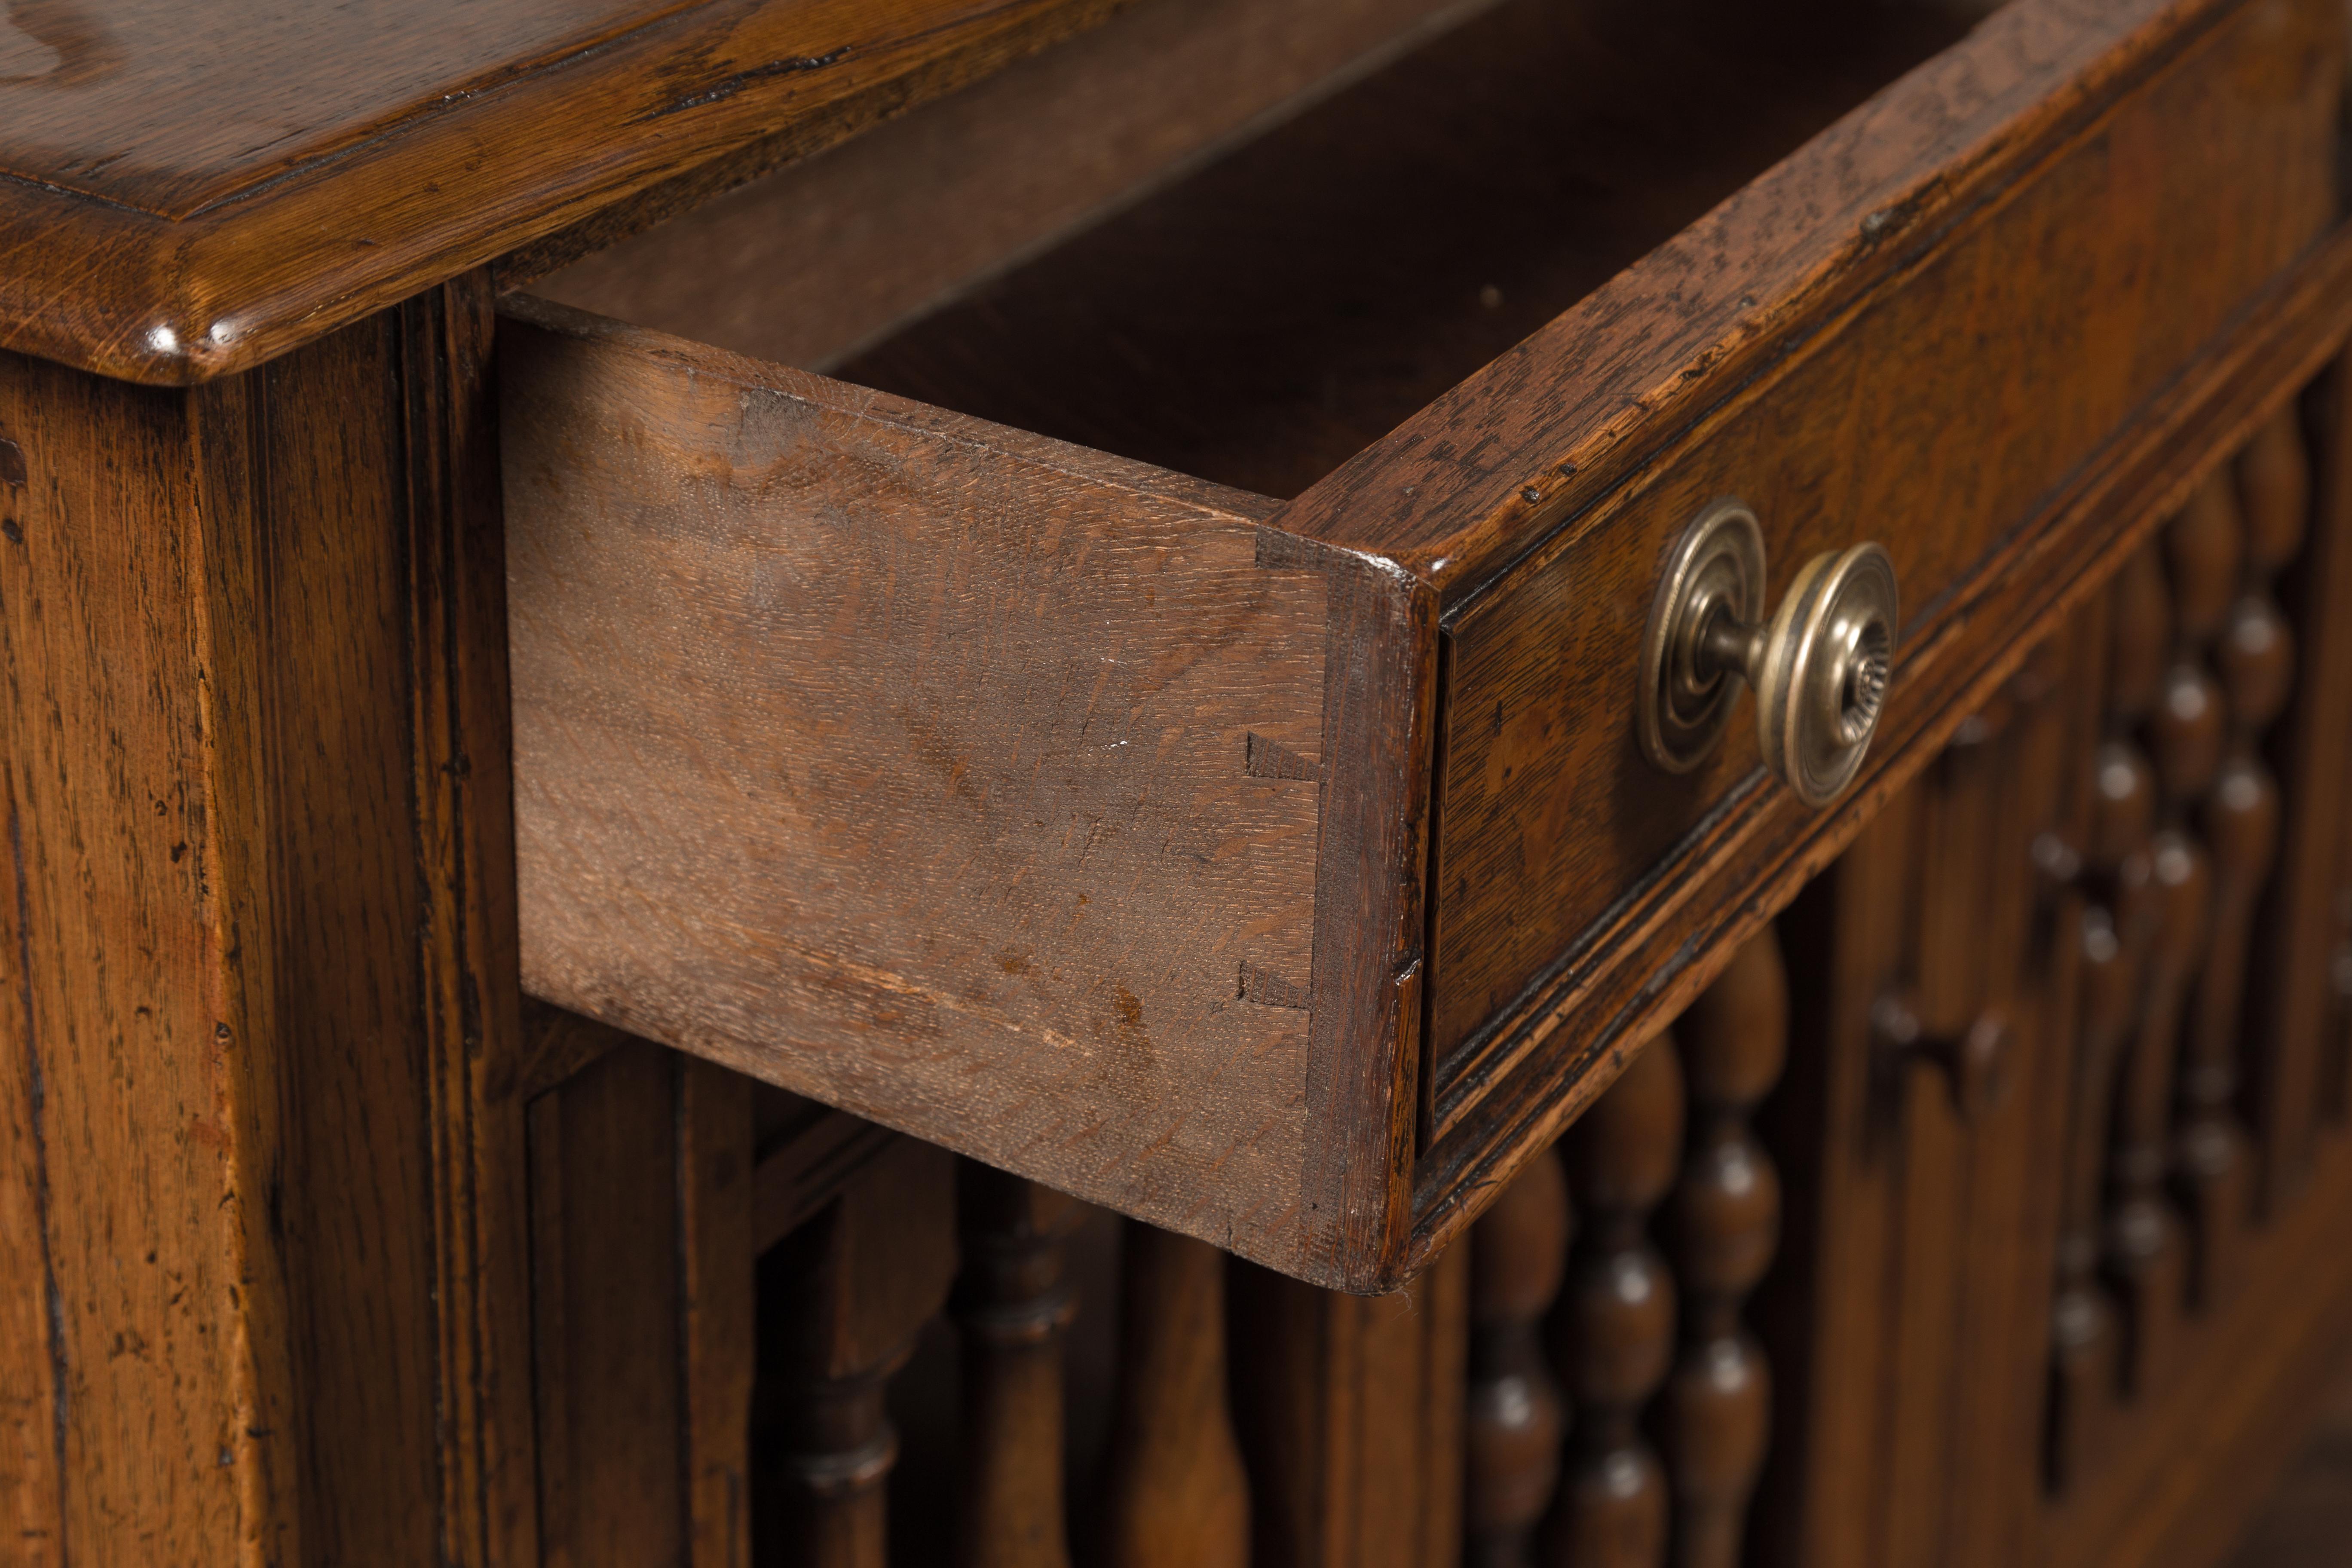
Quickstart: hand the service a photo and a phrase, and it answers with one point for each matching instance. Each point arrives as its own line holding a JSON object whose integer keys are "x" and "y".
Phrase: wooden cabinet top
{"x": 197, "y": 185}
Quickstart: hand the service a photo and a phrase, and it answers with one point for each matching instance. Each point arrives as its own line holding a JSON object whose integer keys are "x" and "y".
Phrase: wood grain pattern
{"x": 1013, "y": 1310}
{"x": 1077, "y": 690}
{"x": 608, "y": 1305}
{"x": 642, "y": 1301}
{"x": 1350, "y": 1412}
{"x": 404, "y": 144}
{"x": 840, "y": 1302}
{"x": 1884, "y": 419}
{"x": 1632, "y": 911}
{"x": 1177, "y": 1494}
{"x": 2281, "y": 339}
{"x": 807, "y": 265}
{"x": 263, "y": 957}
{"x": 1269, "y": 318}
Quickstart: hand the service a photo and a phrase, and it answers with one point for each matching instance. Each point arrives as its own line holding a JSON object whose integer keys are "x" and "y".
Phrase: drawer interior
{"x": 1264, "y": 318}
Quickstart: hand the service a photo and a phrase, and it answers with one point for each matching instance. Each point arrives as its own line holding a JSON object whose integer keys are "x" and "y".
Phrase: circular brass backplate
{"x": 1716, "y": 570}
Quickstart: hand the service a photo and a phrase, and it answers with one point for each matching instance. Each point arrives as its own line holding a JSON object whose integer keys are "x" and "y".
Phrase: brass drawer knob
{"x": 1819, "y": 664}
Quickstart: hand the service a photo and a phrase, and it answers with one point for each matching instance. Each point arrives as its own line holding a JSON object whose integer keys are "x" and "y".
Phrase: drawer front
{"x": 1940, "y": 414}
{"x": 1285, "y": 874}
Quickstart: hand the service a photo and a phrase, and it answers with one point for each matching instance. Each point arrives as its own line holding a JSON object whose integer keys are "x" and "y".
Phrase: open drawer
{"x": 1281, "y": 870}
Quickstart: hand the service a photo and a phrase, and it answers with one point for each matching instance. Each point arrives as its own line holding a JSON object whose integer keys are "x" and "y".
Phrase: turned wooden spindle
{"x": 1519, "y": 1251}
{"x": 841, "y": 1301}
{"x": 2254, "y": 652}
{"x": 2187, "y": 732}
{"x": 1726, "y": 1214}
{"x": 2139, "y": 638}
{"x": 2274, "y": 489}
{"x": 2111, "y": 935}
{"x": 1012, "y": 1305}
{"x": 1612, "y": 1333}
{"x": 1177, "y": 1493}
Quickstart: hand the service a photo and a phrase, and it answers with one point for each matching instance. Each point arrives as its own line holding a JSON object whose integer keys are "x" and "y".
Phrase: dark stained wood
{"x": 1874, "y": 430}
{"x": 840, "y": 1302}
{"x": 1349, "y": 1215}
{"x": 1908, "y": 1331}
{"x": 213, "y": 187}
{"x": 643, "y": 1306}
{"x": 1178, "y": 1496}
{"x": 2184, "y": 1476}
{"x": 2100, "y": 928}
{"x": 2296, "y": 1021}
{"x": 1011, "y": 1307}
{"x": 1276, "y": 314}
{"x": 269, "y": 1187}
{"x": 1612, "y": 1333}
{"x": 1829, "y": 1317}
{"x": 2146, "y": 1250}
{"x": 1350, "y": 1411}
{"x": 1719, "y": 898}
{"x": 719, "y": 1352}
{"x": 803, "y": 1160}
{"x": 811, "y": 263}
{"x": 1518, "y": 1252}
{"x": 2252, "y": 652}
{"x": 1724, "y": 1213}
{"x": 2008, "y": 1234}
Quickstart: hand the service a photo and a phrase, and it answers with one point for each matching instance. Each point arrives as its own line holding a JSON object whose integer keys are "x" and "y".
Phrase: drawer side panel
{"x": 958, "y": 778}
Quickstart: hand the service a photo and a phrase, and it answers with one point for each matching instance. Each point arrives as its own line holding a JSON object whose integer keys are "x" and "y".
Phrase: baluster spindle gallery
{"x": 2144, "y": 1249}
{"x": 1519, "y": 1251}
{"x": 1726, "y": 1224}
{"x": 1612, "y": 1333}
{"x": 1178, "y": 1496}
{"x": 841, "y": 1301}
{"x": 2254, "y": 651}
{"x": 2110, "y": 934}
{"x": 1012, "y": 1305}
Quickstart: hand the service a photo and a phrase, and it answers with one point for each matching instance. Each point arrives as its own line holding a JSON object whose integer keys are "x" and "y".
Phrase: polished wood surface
{"x": 1725, "y": 1216}
{"x": 1178, "y": 1493}
{"x": 1518, "y": 1256}
{"x": 641, "y": 1173}
{"x": 1893, "y": 408}
{"x": 1350, "y": 1414}
{"x": 1012, "y": 1308}
{"x": 1612, "y": 1333}
{"x": 199, "y": 187}
{"x": 265, "y": 1181}
{"x": 1323, "y": 1128}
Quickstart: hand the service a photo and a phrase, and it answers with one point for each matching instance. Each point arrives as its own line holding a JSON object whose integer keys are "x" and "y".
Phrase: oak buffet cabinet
{"x": 1300, "y": 782}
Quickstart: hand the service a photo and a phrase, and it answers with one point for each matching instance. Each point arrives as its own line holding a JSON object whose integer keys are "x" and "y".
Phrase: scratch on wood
{"x": 728, "y": 87}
